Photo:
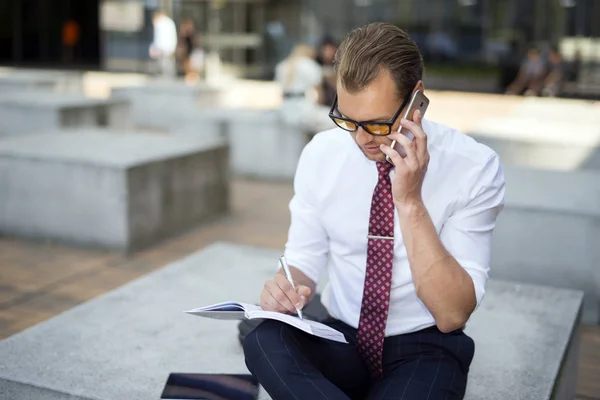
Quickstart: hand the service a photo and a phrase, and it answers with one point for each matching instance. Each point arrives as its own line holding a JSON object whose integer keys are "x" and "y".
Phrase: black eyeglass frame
{"x": 365, "y": 123}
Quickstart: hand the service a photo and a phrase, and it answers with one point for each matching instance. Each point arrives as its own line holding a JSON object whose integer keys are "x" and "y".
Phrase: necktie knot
{"x": 384, "y": 168}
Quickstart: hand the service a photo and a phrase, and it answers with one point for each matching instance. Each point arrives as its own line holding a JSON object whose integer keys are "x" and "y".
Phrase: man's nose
{"x": 362, "y": 136}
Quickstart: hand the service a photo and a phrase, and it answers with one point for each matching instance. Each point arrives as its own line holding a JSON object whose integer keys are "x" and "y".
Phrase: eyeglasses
{"x": 373, "y": 127}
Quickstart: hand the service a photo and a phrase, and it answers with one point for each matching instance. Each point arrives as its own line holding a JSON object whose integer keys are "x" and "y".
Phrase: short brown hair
{"x": 367, "y": 49}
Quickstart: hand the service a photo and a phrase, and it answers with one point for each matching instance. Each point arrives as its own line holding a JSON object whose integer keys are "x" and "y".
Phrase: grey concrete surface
{"x": 545, "y": 143}
{"x": 263, "y": 146}
{"x": 153, "y": 102}
{"x": 26, "y": 112}
{"x": 548, "y": 232}
{"x": 124, "y": 344}
{"x": 32, "y": 79}
{"x": 110, "y": 189}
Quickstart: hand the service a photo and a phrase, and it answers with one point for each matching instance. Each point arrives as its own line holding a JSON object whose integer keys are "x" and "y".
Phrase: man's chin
{"x": 380, "y": 156}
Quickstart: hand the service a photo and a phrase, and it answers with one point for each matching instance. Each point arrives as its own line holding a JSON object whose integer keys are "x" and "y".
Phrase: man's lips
{"x": 371, "y": 149}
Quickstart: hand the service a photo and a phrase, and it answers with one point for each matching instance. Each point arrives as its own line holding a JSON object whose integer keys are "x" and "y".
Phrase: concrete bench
{"x": 261, "y": 145}
{"x": 151, "y": 102}
{"x": 124, "y": 344}
{"x": 30, "y": 111}
{"x": 60, "y": 81}
{"x": 547, "y": 143}
{"x": 109, "y": 189}
{"x": 549, "y": 230}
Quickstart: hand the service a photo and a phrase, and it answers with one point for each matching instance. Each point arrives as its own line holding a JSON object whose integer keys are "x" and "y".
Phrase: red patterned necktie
{"x": 378, "y": 277}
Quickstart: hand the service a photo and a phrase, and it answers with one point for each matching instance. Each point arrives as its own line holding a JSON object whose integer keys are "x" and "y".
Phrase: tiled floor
{"x": 40, "y": 280}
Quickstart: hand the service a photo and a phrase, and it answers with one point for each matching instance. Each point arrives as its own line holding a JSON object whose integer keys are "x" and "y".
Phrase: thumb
{"x": 304, "y": 292}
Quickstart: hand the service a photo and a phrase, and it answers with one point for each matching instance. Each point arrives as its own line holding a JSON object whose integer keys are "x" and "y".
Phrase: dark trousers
{"x": 291, "y": 364}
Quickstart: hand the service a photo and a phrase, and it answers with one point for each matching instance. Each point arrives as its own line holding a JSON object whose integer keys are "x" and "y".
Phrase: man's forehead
{"x": 367, "y": 105}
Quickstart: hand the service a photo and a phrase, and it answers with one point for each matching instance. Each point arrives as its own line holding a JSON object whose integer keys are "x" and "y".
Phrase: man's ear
{"x": 420, "y": 86}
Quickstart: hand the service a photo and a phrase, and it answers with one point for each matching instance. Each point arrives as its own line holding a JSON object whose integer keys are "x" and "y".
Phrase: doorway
{"x": 50, "y": 33}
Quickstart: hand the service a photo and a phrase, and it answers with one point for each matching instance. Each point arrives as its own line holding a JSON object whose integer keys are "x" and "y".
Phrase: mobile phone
{"x": 418, "y": 102}
{"x": 210, "y": 387}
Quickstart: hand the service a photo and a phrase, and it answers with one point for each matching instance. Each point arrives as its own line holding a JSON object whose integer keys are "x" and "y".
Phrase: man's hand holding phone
{"x": 411, "y": 169}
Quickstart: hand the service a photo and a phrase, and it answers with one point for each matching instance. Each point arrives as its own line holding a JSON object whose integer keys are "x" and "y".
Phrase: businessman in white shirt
{"x": 403, "y": 295}
{"x": 164, "y": 44}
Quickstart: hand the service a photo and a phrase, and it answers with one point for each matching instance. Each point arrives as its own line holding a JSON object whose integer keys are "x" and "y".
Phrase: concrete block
{"x": 109, "y": 189}
{"x": 58, "y": 81}
{"x": 543, "y": 143}
{"x": 548, "y": 232}
{"x": 30, "y": 111}
{"x": 125, "y": 343}
{"x": 263, "y": 146}
{"x": 160, "y": 104}
{"x": 526, "y": 343}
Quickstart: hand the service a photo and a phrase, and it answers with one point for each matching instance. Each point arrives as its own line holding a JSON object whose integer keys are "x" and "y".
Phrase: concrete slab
{"x": 263, "y": 146}
{"x": 109, "y": 189}
{"x": 534, "y": 137}
{"x": 154, "y": 101}
{"x": 28, "y": 111}
{"x": 125, "y": 343}
{"x": 32, "y": 79}
{"x": 548, "y": 232}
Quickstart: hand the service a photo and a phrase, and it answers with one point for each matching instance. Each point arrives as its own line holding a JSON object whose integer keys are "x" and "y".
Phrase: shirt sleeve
{"x": 467, "y": 234}
{"x": 307, "y": 246}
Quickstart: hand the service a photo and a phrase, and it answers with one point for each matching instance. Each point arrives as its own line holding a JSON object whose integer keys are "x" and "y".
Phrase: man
{"x": 418, "y": 290}
{"x": 531, "y": 75}
{"x": 164, "y": 44}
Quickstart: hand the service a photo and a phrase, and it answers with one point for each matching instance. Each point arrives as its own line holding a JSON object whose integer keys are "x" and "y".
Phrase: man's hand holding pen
{"x": 279, "y": 295}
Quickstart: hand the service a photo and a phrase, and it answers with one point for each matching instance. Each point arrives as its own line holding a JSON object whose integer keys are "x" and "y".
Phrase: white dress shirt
{"x": 463, "y": 191}
{"x": 165, "y": 35}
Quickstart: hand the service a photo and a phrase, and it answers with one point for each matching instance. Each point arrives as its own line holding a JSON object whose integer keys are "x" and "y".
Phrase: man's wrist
{"x": 410, "y": 208}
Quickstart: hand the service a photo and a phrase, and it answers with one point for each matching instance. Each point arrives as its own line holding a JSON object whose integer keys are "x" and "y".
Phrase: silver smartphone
{"x": 418, "y": 102}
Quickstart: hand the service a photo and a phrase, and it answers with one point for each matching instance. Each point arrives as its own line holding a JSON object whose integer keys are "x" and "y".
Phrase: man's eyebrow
{"x": 384, "y": 118}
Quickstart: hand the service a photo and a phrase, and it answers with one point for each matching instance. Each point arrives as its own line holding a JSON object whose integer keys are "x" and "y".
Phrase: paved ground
{"x": 40, "y": 280}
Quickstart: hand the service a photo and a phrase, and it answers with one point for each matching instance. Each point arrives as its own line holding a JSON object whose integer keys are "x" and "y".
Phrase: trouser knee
{"x": 262, "y": 342}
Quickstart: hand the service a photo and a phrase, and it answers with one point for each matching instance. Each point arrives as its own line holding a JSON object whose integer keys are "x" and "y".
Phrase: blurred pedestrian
{"x": 325, "y": 58}
{"x": 164, "y": 44}
{"x": 189, "y": 52}
{"x": 555, "y": 76}
{"x": 300, "y": 78}
{"x": 531, "y": 75}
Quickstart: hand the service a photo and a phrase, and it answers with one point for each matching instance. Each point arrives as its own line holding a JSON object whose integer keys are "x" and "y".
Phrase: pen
{"x": 288, "y": 275}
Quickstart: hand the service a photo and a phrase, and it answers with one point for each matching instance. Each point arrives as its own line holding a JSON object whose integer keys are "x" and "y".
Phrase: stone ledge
{"x": 526, "y": 336}
{"x": 30, "y": 111}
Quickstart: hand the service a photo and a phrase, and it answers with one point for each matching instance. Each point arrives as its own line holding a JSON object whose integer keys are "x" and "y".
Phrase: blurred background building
{"x": 477, "y": 38}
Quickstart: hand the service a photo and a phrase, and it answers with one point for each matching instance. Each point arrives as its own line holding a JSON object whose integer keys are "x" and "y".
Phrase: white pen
{"x": 288, "y": 275}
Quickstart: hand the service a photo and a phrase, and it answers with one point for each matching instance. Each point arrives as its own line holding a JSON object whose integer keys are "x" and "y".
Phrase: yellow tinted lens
{"x": 378, "y": 129}
{"x": 349, "y": 126}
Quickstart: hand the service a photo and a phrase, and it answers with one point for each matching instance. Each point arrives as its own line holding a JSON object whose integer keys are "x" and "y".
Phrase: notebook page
{"x": 314, "y": 328}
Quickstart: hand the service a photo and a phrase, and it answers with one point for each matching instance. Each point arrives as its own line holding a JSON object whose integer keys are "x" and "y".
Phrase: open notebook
{"x": 237, "y": 310}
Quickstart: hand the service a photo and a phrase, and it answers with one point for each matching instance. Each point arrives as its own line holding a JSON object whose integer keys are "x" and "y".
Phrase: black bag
{"x": 314, "y": 311}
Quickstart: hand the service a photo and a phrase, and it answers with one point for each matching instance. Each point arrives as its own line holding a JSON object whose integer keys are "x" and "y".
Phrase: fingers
{"x": 416, "y": 128}
{"x": 410, "y": 149}
{"x": 394, "y": 156}
{"x": 279, "y": 295}
{"x": 304, "y": 292}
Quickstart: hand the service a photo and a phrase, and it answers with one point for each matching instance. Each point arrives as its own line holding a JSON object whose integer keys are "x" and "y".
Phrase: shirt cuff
{"x": 307, "y": 264}
{"x": 478, "y": 275}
